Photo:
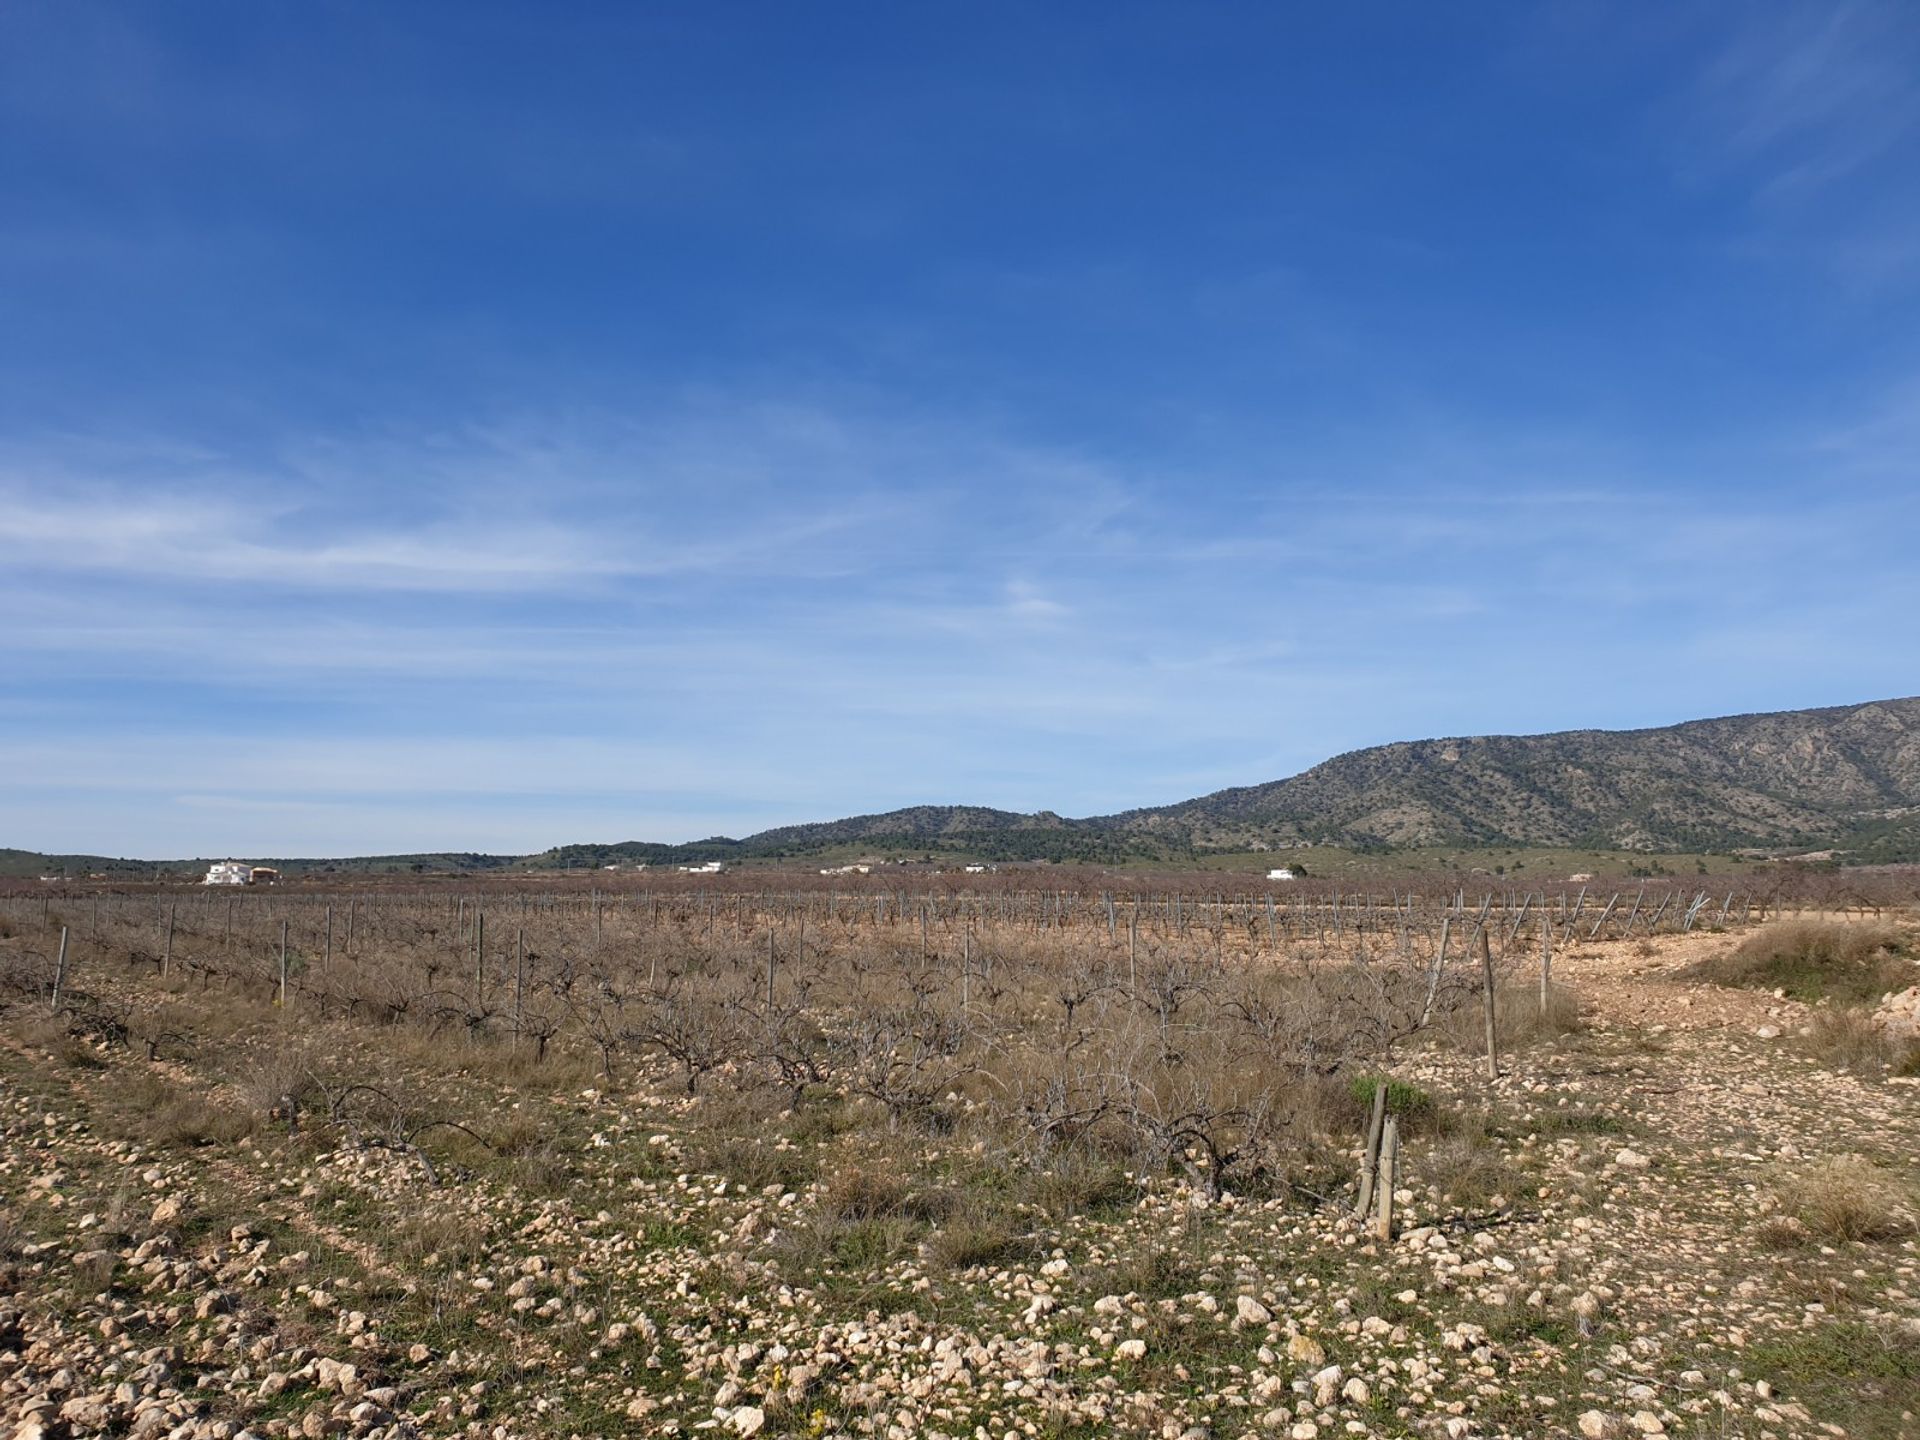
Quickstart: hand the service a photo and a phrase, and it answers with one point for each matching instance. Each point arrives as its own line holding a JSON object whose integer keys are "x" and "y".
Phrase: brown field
{"x": 980, "y": 1161}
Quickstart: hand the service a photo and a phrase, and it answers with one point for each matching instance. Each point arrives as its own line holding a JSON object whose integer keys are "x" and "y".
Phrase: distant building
{"x": 978, "y": 869}
{"x": 1285, "y": 872}
{"x": 712, "y": 867}
{"x": 848, "y": 870}
{"x": 1580, "y": 879}
{"x": 232, "y": 872}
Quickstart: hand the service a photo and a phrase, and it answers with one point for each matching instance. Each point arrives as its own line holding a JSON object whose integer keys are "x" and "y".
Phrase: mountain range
{"x": 1845, "y": 778}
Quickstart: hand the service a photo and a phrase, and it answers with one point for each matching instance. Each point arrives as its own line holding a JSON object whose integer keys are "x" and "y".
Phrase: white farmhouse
{"x": 1285, "y": 872}
{"x": 229, "y": 872}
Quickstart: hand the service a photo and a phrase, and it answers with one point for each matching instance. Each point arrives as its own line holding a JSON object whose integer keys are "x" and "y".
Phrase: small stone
{"x": 747, "y": 1420}
{"x": 1305, "y": 1350}
{"x": 1630, "y": 1159}
{"x": 1249, "y": 1311}
{"x": 1593, "y": 1424}
{"x": 1135, "y": 1349}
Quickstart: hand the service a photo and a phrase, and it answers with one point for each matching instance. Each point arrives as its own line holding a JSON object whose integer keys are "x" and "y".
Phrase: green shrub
{"x": 1404, "y": 1099}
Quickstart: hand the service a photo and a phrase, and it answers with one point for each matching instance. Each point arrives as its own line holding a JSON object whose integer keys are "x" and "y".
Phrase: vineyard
{"x": 865, "y": 1160}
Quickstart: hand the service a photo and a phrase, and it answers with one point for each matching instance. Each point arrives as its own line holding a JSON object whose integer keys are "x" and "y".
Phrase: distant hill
{"x": 1846, "y": 778}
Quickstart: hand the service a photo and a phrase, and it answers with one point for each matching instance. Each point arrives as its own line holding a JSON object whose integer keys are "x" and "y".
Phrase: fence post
{"x": 283, "y": 965}
{"x": 1546, "y": 966}
{"x": 60, "y": 970}
{"x": 1370, "y": 1164}
{"x": 1389, "y": 1162}
{"x": 519, "y": 980}
{"x": 1486, "y": 977}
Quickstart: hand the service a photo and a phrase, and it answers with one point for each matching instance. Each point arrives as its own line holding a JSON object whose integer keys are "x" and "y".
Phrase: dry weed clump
{"x": 1845, "y": 1198}
{"x": 1519, "y": 1019}
{"x": 60, "y": 1040}
{"x": 1815, "y": 960}
{"x": 1466, "y": 1166}
{"x": 987, "y": 1239}
{"x": 877, "y": 1192}
{"x": 1849, "y": 1038}
{"x": 147, "y": 1107}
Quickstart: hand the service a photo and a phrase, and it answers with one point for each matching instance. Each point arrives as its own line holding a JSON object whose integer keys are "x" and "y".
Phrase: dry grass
{"x": 1466, "y": 1166}
{"x": 1847, "y": 1038}
{"x": 152, "y": 1109}
{"x": 55, "y": 1037}
{"x": 878, "y": 1191}
{"x": 1520, "y": 1020}
{"x": 755, "y": 1164}
{"x": 1845, "y": 1198}
{"x": 1815, "y": 960}
{"x": 444, "y": 1237}
{"x": 986, "y": 1239}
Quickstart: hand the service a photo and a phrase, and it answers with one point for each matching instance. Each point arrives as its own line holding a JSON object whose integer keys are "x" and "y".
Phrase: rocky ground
{"x": 1631, "y": 1232}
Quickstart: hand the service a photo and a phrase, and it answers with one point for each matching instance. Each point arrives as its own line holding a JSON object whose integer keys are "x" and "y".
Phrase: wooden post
{"x": 769, "y": 967}
{"x": 166, "y": 954}
{"x": 326, "y": 945}
{"x": 479, "y": 961}
{"x": 519, "y": 981}
{"x": 1486, "y": 976}
{"x": 1546, "y": 967}
{"x": 283, "y": 964}
{"x": 353, "y": 907}
{"x": 1389, "y": 1162}
{"x": 60, "y": 971}
{"x": 1370, "y": 1163}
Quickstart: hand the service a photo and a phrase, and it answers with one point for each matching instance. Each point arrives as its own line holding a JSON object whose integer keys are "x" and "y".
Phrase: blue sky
{"x": 490, "y": 426}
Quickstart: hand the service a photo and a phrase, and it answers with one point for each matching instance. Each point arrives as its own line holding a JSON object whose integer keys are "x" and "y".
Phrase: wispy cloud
{"x": 1814, "y": 94}
{"x": 1813, "y": 114}
{"x": 216, "y": 539}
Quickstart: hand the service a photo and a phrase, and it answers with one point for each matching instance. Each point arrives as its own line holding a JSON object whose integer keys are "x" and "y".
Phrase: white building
{"x": 1283, "y": 873}
{"x": 229, "y": 872}
{"x": 712, "y": 867}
